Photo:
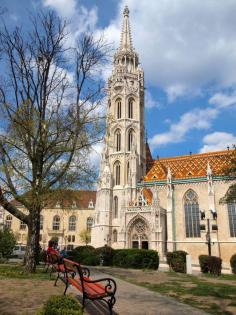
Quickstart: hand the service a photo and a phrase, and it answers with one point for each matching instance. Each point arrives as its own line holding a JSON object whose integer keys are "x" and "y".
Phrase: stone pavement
{"x": 135, "y": 300}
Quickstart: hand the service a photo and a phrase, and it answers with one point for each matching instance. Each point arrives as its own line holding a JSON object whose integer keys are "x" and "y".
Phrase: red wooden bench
{"x": 100, "y": 289}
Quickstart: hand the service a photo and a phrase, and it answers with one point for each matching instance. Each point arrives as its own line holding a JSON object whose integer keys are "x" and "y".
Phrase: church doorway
{"x": 138, "y": 236}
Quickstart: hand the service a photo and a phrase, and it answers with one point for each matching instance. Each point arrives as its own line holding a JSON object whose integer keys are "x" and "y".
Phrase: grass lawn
{"x": 215, "y": 295}
{"x": 22, "y": 293}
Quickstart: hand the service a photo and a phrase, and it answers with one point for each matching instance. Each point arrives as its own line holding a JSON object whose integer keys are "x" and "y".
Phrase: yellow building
{"x": 62, "y": 221}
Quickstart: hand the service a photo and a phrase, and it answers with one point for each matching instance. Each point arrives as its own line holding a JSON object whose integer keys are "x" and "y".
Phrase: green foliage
{"x": 105, "y": 254}
{"x": 136, "y": 258}
{"x": 233, "y": 263}
{"x": 85, "y": 236}
{"x": 203, "y": 262}
{"x": 85, "y": 255}
{"x": 169, "y": 257}
{"x": 61, "y": 305}
{"x": 210, "y": 264}
{"x": 177, "y": 260}
{"x": 17, "y": 271}
{"x": 7, "y": 242}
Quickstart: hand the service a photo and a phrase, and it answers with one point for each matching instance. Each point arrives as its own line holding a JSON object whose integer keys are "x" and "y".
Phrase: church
{"x": 165, "y": 204}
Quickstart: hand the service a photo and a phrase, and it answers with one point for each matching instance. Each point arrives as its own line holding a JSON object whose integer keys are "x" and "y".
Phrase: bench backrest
{"x": 75, "y": 268}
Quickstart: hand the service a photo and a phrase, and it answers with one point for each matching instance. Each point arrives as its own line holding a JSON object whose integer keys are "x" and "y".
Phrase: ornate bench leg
{"x": 67, "y": 285}
{"x": 55, "y": 283}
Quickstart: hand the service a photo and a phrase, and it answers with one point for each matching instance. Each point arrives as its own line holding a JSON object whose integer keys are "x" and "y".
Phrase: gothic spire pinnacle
{"x": 126, "y": 40}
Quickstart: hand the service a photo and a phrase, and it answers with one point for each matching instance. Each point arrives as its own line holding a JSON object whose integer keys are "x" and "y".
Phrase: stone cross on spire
{"x": 126, "y": 40}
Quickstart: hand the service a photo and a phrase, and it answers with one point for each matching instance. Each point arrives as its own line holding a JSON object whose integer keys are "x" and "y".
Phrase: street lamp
{"x": 208, "y": 237}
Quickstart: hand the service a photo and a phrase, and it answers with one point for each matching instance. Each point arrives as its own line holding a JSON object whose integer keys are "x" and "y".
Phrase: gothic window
{"x": 41, "y": 223}
{"x": 115, "y": 207}
{"x": 232, "y": 218}
{"x": 128, "y": 170}
{"x": 22, "y": 225}
{"x": 130, "y": 139}
{"x": 130, "y": 108}
{"x": 8, "y": 221}
{"x": 117, "y": 173}
{"x": 72, "y": 223}
{"x": 56, "y": 223}
{"x": 118, "y": 140}
{"x": 192, "y": 214}
{"x": 114, "y": 236}
{"x": 89, "y": 223}
{"x": 71, "y": 238}
{"x": 118, "y": 108}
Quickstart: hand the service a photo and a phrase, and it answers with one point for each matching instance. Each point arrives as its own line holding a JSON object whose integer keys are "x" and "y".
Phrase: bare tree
{"x": 49, "y": 119}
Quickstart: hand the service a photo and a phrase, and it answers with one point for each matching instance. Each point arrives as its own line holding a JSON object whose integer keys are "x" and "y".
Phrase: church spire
{"x": 126, "y": 40}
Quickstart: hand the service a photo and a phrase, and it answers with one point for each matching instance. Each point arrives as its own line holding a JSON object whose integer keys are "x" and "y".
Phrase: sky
{"x": 187, "y": 49}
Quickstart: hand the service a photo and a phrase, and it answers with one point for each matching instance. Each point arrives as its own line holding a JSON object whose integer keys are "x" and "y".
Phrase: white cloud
{"x": 95, "y": 155}
{"x": 183, "y": 45}
{"x": 195, "y": 119}
{"x": 222, "y": 100}
{"x": 217, "y": 141}
{"x": 65, "y": 8}
{"x": 150, "y": 102}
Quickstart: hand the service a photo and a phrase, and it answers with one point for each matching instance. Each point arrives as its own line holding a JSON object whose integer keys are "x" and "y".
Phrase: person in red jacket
{"x": 51, "y": 249}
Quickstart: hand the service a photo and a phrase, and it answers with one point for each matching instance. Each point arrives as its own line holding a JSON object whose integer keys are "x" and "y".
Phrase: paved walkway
{"x": 135, "y": 300}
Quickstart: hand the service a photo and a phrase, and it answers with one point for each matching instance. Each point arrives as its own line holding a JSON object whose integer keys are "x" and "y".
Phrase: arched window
{"x": 114, "y": 236}
{"x": 130, "y": 108}
{"x": 115, "y": 206}
{"x": 22, "y": 225}
{"x": 41, "y": 223}
{"x": 118, "y": 140}
{"x": 117, "y": 173}
{"x": 130, "y": 139}
{"x": 89, "y": 223}
{"x": 128, "y": 170}
{"x": 8, "y": 221}
{"x": 192, "y": 214}
{"x": 232, "y": 219}
{"x": 72, "y": 223}
{"x": 118, "y": 108}
{"x": 56, "y": 223}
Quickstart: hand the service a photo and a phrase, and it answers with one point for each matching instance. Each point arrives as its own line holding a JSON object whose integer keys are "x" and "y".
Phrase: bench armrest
{"x": 108, "y": 283}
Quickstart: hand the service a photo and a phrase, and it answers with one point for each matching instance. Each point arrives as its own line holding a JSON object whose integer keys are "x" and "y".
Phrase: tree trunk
{"x": 32, "y": 251}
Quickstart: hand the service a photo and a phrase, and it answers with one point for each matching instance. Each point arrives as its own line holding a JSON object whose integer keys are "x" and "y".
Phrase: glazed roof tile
{"x": 190, "y": 166}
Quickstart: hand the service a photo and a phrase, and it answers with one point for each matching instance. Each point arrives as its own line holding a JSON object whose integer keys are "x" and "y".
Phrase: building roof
{"x": 78, "y": 199}
{"x": 190, "y": 166}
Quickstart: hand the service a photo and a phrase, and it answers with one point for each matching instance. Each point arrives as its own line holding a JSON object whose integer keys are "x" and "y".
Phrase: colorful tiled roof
{"x": 190, "y": 166}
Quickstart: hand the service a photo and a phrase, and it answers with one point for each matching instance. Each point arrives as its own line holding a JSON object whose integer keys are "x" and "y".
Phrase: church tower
{"x": 123, "y": 161}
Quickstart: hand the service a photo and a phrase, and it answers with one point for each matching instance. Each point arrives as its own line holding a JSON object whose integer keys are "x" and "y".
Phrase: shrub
{"x": 210, "y": 264}
{"x": 169, "y": 257}
{"x": 7, "y": 242}
{"x": 233, "y": 263}
{"x": 85, "y": 255}
{"x": 136, "y": 258}
{"x": 177, "y": 260}
{"x": 105, "y": 254}
{"x": 58, "y": 305}
{"x": 203, "y": 262}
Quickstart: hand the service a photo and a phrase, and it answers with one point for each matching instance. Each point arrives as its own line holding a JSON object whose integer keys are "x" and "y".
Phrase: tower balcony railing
{"x": 144, "y": 208}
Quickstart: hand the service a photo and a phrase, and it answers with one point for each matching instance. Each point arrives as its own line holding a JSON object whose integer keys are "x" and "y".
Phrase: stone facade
{"x": 167, "y": 204}
{"x": 63, "y": 221}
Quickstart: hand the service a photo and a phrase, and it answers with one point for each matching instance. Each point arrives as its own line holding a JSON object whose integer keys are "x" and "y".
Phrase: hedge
{"x": 58, "y": 305}
{"x": 105, "y": 255}
{"x": 177, "y": 260}
{"x": 85, "y": 255}
{"x": 210, "y": 264}
{"x": 233, "y": 263}
{"x": 136, "y": 258}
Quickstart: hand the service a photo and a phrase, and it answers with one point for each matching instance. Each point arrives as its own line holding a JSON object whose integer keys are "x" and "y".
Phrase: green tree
{"x": 49, "y": 106}
{"x": 230, "y": 172}
{"x": 85, "y": 236}
{"x": 7, "y": 242}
